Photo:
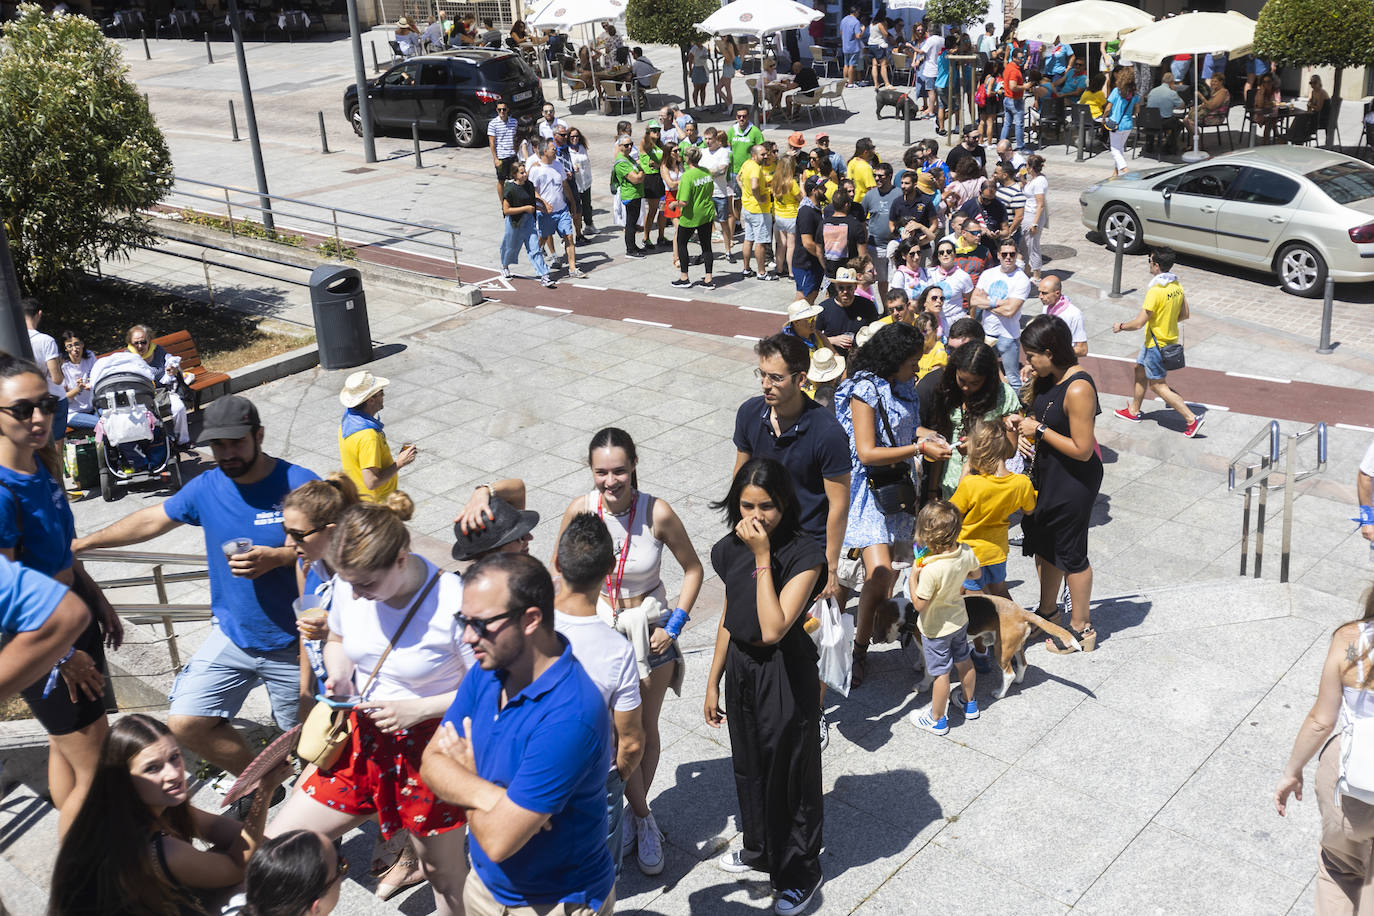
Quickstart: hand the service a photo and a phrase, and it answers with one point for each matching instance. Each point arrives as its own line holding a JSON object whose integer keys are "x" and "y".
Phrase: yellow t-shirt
{"x": 785, "y": 204}
{"x": 941, "y": 582}
{"x": 936, "y": 357}
{"x": 748, "y": 172}
{"x": 1096, "y": 101}
{"x": 987, "y": 502}
{"x": 1164, "y": 304}
{"x": 861, "y": 173}
{"x": 367, "y": 448}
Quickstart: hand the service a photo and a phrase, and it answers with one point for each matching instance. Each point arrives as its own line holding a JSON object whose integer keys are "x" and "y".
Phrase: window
{"x": 1212, "y": 181}
{"x": 507, "y": 67}
{"x": 1345, "y": 182}
{"x": 434, "y": 74}
{"x": 403, "y": 75}
{"x": 1257, "y": 186}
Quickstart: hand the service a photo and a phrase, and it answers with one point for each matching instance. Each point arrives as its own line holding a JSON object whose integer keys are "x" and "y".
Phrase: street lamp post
{"x": 360, "y": 76}
{"x": 14, "y": 334}
{"x": 265, "y": 201}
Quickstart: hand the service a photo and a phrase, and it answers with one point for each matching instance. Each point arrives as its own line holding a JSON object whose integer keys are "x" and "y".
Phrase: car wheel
{"x": 463, "y": 129}
{"x": 1301, "y": 270}
{"x": 355, "y": 117}
{"x": 1119, "y": 219}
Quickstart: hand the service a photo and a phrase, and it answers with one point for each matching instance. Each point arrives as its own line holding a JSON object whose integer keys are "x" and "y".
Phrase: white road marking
{"x": 745, "y": 337}
{"x": 1212, "y": 406}
{"x": 600, "y": 289}
{"x": 652, "y": 324}
{"x": 1119, "y": 359}
{"x": 549, "y": 308}
{"x": 1261, "y": 378}
{"x": 1358, "y": 429}
{"x": 669, "y": 298}
{"x": 750, "y": 308}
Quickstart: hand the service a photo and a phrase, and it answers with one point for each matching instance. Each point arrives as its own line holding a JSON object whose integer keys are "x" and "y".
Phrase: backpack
{"x": 980, "y": 98}
{"x": 1356, "y": 775}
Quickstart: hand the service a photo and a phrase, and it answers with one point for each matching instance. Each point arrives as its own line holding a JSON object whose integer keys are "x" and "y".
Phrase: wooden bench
{"x": 197, "y": 377}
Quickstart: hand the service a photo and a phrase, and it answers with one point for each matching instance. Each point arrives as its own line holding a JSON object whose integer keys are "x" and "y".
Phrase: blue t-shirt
{"x": 47, "y": 528}
{"x": 1057, "y": 60}
{"x": 1121, "y": 110}
{"x": 550, "y": 749}
{"x": 850, "y": 27}
{"x": 27, "y": 598}
{"x": 254, "y": 613}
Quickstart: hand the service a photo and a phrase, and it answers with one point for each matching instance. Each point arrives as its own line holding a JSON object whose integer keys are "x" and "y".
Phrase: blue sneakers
{"x": 940, "y": 727}
{"x": 971, "y": 709}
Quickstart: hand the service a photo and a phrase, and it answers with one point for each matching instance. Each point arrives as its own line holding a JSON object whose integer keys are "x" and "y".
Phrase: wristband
{"x": 56, "y": 671}
{"x": 1366, "y": 516}
{"x": 759, "y": 569}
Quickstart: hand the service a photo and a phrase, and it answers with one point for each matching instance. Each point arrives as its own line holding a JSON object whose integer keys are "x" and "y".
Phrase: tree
{"x": 669, "y": 22}
{"x": 959, "y": 14}
{"x": 80, "y": 154}
{"x": 1317, "y": 33}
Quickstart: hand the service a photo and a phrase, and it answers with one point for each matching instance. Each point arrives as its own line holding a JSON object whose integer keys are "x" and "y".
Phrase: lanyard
{"x": 613, "y": 588}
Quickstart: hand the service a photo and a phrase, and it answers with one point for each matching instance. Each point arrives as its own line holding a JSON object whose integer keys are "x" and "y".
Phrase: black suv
{"x": 452, "y": 91}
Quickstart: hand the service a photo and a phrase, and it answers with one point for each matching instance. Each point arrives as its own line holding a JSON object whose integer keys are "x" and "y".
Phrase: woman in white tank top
{"x": 634, "y": 601}
{"x": 1345, "y": 878}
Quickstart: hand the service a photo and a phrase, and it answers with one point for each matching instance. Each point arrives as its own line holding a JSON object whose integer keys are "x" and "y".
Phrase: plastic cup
{"x": 311, "y": 610}
{"x": 235, "y": 546}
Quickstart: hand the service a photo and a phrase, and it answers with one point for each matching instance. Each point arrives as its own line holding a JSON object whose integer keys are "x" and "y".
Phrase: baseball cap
{"x": 653, "y": 125}
{"x": 821, "y": 135}
{"x": 970, "y": 129}
{"x": 812, "y": 183}
{"x": 230, "y": 417}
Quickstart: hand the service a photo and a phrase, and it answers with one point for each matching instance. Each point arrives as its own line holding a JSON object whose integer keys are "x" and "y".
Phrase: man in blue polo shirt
{"x": 525, "y": 748}
{"x": 39, "y": 619}
{"x": 254, "y": 638}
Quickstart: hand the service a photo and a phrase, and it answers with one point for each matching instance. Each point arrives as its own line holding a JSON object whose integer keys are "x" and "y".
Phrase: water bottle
{"x": 676, "y": 622}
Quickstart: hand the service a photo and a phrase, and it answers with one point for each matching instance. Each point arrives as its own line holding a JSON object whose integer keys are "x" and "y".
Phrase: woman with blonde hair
{"x": 787, "y": 195}
{"x": 395, "y": 657}
{"x": 1119, "y": 118}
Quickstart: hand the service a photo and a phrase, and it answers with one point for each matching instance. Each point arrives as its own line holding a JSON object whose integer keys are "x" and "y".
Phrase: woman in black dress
{"x": 1056, "y": 435}
{"x": 772, "y": 574}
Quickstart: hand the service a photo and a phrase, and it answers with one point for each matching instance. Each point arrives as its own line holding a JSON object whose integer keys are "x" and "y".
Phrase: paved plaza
{"x": 1137, "y": 779}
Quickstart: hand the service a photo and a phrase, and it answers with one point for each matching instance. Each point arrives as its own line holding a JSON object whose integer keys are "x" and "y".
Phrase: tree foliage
{"x": 80, "y": 153}
{"x": 957, "y": 13}
{"x": 667, "y": 22}
{"x": 1318, "y": 33}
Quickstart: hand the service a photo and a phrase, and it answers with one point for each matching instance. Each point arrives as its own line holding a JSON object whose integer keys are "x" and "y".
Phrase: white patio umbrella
{"x": 1083, "y": 20}
{"x": 1231, "y": 33}
{"x": 758, "y": 18}
{"x": 569, "y": 13}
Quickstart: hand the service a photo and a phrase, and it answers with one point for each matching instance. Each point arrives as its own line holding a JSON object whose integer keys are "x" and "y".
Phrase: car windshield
{"x": 512, "y": 68}
{"x": 1345, "y": 182}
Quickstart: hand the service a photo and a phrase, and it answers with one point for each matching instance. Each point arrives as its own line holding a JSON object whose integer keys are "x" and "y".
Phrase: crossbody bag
{"x": 892, "y": 486}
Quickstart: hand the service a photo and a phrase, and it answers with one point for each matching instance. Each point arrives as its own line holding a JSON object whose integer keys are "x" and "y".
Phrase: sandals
{"x": 860, "y": 669}
{"x": 1087, "y": 638}
{"x": 386, "y": 852}
{"x": 406, "y": 872}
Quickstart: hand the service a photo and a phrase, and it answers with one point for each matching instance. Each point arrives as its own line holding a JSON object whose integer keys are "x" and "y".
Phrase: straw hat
{"x": 403, "y": 23}
{"x": 826, "y": 365}
{"x": 801, "y": 309}
{"x": 845, "y": 275}
{"x": 865, "y": 334}
{"x": 360, "y": 386}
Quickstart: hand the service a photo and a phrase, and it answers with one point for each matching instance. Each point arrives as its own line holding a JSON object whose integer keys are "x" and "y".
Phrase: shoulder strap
{"x": 415, "y": 606}
{"x": 882, "y": 415}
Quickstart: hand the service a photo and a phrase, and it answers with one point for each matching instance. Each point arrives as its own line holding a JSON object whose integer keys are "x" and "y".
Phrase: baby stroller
{"x": 134, "y": 438}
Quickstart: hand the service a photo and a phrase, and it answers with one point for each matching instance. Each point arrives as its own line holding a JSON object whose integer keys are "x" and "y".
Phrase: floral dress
{"x": 867, "y": 523}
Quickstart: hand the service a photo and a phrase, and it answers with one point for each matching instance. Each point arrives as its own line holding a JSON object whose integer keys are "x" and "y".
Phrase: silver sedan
{"x": 1302, "y": 213}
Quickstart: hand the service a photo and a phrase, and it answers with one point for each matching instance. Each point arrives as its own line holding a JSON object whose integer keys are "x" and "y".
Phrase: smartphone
{"x": 340, "y": 702}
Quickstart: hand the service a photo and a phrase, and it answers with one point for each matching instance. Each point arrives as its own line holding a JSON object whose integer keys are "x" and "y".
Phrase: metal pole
{"x": 633, "y": 83}
{"x": 1265, "y": 465}
{"x": 338, "y": 242}
{"x": 206, "y": 266}
{"x": 1289, "y": 472}
{"x": 1082, "y": 132}
{"x": 375, "y": 65}
{"x": 453, "y": 243}
{"x": 1245, "y": 525}
{"x": 253, "y": 138}
{"x": 415, "y": 135}
{"x": 233, "y": 121}
{"x": 360, "y": 77}
{"x": 906, "y": 119}
{"x": 1324, "y": 346}
{"x": 1116, "y": 265}
{"x": 229, "y": 211}
{"x": 559, "y": 72}
{"x": 14, "y": 333}
{"x": 147, "y": 55}
{"x": 209, "y": 54}
{"x": 161, "y": 585}
{"x": 324, "y": 139}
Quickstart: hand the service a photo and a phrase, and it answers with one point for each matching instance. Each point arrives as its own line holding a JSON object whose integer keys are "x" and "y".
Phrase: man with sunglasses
{"x": 253, "y": 640}
{"x": 1000, "y": 294}
{"x": 525, "y": 747}
{"x": 501, "y": 138}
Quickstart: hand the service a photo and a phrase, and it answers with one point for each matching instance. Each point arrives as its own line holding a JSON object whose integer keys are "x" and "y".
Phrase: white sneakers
{"x": 649, "y": 845}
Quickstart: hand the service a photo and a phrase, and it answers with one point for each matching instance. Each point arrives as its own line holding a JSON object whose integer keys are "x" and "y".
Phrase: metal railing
{"x": 1280, "y": 448}
{"x": 162, "y": 612}
{"x": 320, "y": 215}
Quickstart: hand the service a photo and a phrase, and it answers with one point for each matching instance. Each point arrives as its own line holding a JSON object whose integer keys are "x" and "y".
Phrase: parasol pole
{"x": 1197, "y": 155}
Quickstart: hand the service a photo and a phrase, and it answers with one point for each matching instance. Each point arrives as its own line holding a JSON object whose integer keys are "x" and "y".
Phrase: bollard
{"x": 415, "y": 135}
{"x": 1082, "y": 131}
{"x": 209, "y": 55}
{"x": 906, "y": 119}
{"x": 634, "y": 91}
{"x": 1324, "y": 346}
{"x": 147, "y": 55}
{"x": 375, "y": 66}
{"x": 233, "y": 121}
{"x": 559, "y": 65}
{"x": 1116, "y": 267}
{"x": 324, "y": 140}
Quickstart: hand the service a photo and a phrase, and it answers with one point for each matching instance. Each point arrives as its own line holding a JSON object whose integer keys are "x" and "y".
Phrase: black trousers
{"x": 703, "y": 234}
{"x": 772, "y": 701}
{"x": 632, "y": 228}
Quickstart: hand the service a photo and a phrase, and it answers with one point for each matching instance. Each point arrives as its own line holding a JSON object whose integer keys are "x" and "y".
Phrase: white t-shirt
{"x": 1073, "y": 317}
{"x": 548, "y": 181}
{"x": 1367, "y": 463}
{"x": 546, "y": 128}
{"x": 931, "y": 48}
{"x": 1000, "y": 285}
{"x": 606, "y": 656}
{"x": 72, "y": 372}
{"x": 430, "y": 658}
{"x": 1037, "y": 185}
{"x": 956, "y": 285}
{"x": 45, "y": 348}
{"x": 719, "y": 159}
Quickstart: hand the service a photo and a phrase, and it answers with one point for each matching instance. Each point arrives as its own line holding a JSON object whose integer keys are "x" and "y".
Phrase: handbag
{"x": 1171, "y": 354}
{"x": 327, "y": 730}
{"x": 672, "y": 207}
{"x": 1109, "y": 123}
{"x": 891, "y": 485}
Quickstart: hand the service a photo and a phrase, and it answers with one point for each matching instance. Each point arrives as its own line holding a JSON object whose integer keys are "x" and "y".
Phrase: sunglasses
{"x": 943, "y": 251}
{"x": 23, "y": 410}
{"x": 300, "y": 536}
{"x": 481, "y": 626}
{"x": 1006, "y": 254}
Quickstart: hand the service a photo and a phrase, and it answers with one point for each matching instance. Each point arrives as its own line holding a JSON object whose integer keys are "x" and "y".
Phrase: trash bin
{"x": 340, "y": 309}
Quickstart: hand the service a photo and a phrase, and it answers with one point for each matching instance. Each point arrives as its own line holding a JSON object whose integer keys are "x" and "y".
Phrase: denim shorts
{"x": 853, "y": 58}
{"x": 722, "y": 208}
{"x": 807, "y": 280}
{"x": 942, "y": 653}
{"x": 758, "y": 227}
{"x": 992, "y": 574}
{"x": 877, "y": 53}
{"x": 557, "y": 223}
{"x": 669, "y": 656}
{"x": 1153, "y": 361}
{"x": 219, "y": 677}
{"x": 787, "y": 225}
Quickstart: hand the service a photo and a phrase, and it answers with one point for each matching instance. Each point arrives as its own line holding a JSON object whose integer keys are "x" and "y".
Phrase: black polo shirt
{"x": 816, "y": 447}
{"x": 836, "y": 319}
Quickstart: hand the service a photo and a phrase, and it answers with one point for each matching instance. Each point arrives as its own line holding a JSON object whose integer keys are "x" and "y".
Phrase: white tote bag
{"x": 618, "y": 212}
{"x": 835, "y": 639}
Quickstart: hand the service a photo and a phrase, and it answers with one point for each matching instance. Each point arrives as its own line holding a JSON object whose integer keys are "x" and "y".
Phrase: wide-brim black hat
{"x": 506, "y": 525}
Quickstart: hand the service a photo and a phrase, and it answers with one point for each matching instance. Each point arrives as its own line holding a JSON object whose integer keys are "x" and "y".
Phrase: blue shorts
{"x": 220, "y": 676}
{"x": 877, "y": 53}
{"x": 722, "y": 208}
{"x": 853, "y": 58}
{"x": 994, "y": 574}
{"x": 942, "y": 653}
{"x": 928, "y": 83}
{"x": 59, "y": 419}
{"x": 758, "y": 227}
{"x": 559, "y": 223}
{"x": 1153, "y": 361}
{"x": 808, "y": 281}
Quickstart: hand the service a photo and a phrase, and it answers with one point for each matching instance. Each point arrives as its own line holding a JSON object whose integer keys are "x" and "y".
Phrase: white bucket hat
{"x": 360, "y": 386}
{"x": 826, "y": 365}
{"x": 865, "y": 334}
{"x": 801, "y": 309}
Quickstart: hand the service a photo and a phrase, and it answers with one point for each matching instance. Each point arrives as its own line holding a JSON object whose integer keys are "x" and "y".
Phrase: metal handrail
{"x": 332, "y": 222}
{"x": 162, "y": 612}
{"x": 1280, "y": 447}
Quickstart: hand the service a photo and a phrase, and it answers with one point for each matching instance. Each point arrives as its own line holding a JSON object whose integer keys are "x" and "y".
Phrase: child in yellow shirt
{"x": 934, "y": 353}
{"x": 935, "y": 590}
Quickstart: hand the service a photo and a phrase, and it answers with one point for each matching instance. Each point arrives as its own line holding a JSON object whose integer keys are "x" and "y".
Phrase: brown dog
{"x": 1008, "y": 625}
